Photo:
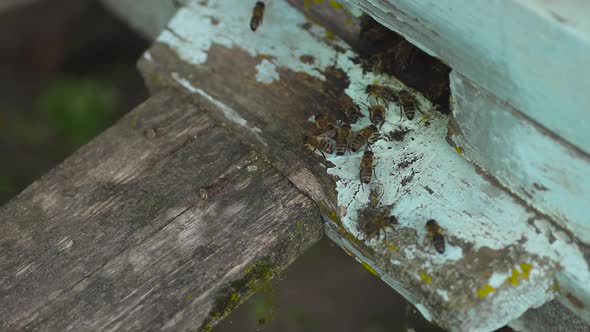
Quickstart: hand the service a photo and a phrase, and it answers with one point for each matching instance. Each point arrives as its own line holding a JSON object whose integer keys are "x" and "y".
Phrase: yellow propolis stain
{"x": 513, "y": 279}
{"x": 485, "y": 291}
{"x": 330, "y": 35}
{"x": 526, "y": 268}
{"x": 370, "y": 269}
{"x": 426, "y": 278}
{"x": 392, "y": 247}
{"x": 459, "y": 149}
{"x": 336, "y": 5}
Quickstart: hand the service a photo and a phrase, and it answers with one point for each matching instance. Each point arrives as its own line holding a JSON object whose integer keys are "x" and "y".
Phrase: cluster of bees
{"x": 329, "y": 137}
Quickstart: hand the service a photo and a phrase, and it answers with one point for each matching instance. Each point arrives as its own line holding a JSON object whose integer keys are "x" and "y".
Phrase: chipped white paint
{"x": 148, "y": 56}
{"x": 542, "y": 74}
{"x": 498, "y": 278}
{"x": 198, "y": 26}
{"x": 266, "y": 72}
{"x": 437, "y": 182}
{"x": 229, "y": 112}
{"x": 423, "y": 311}
{"x": 443, "y": 294}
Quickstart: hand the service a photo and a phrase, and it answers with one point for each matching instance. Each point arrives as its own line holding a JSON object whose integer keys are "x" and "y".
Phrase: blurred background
{"x": 67, "y": 72}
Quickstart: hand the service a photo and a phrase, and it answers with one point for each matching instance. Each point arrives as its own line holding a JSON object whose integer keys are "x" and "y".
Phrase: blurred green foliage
{"x": 77, "y": 109}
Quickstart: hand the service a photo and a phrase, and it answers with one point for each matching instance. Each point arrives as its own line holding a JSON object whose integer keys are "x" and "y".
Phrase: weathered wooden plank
{"x": 502, "y": 257}
{"x": 541, "y": 74}
{"x": 118, "y": 237}
{"x": 552, "y": 316}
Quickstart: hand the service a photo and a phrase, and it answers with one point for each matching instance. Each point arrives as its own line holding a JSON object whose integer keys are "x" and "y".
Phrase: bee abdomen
{"x": 254, "y": 23}
{"x": 357, "y": 143}
{"x": 341, "y": 147}
{"x": 257, "y": 15}
{"x": 366, "y": 176}
{"x": 326, "y": 146}
{"x": 438, "y": 241}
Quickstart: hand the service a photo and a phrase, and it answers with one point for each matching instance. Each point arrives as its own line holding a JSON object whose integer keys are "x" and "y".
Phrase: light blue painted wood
{"x": 533, "y": 54}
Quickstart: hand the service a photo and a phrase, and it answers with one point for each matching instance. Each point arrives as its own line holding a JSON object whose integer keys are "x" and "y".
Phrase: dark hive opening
{"x": 388, "y": 52}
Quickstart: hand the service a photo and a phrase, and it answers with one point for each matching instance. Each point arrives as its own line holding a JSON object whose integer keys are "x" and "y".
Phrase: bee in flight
{"x": 377, "y": 114}
{"x": 257, "y": 15}
{"x": 366, "y": 169}
{"x": 321, "y": 143}
{"x": 342, "y": 135}
{"x": 324, "y": 125}
{"x": 386, "y": 94}
{"x": 350, "y": 109}
{"x": 435, "y": 233}
{"x": 408, "y": 104}
{"x": 362, "y": 137}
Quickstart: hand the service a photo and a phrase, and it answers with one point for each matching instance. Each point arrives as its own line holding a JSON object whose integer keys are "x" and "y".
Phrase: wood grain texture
{"x": 118, "y": 237}
{"x": 278, "y": 112}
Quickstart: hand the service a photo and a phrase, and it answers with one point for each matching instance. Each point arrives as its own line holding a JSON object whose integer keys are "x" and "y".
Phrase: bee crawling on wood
{"x": 435, "y": 233}
{"x": 408, "y": 104}
{"x": 350, "y": 109}
{"x": 362, "y": 137}
{"x": 257, "y": 15}
{"x": 382, "y": 92}
{"x": 373, "y": 221}
{"x": 342, "y": 136}
{"x": 377, "y": 114}
{"x": 325, "y": 125}
{"x": 367, "y": 167}
{"x": 323, "y": 144}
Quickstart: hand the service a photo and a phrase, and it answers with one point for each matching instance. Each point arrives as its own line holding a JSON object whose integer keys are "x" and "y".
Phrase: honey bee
{"x": 381, "y": 92}
{"x": 435, "y": 233}
{"x": 319, "y": 143}
{"x": 404, "y": 54}
{"x": 363, "y": 137}
{"x": 342, "y": 135}
{"x": 377, "y": 114}
{"x": 350, "y": 109}
{"x": 324, "y": 125}
{"x": 257, "y": 15}
{"x": 366, "y": 169}
{"x": 408, "y": 104}
{"x": 373, "y": 222}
